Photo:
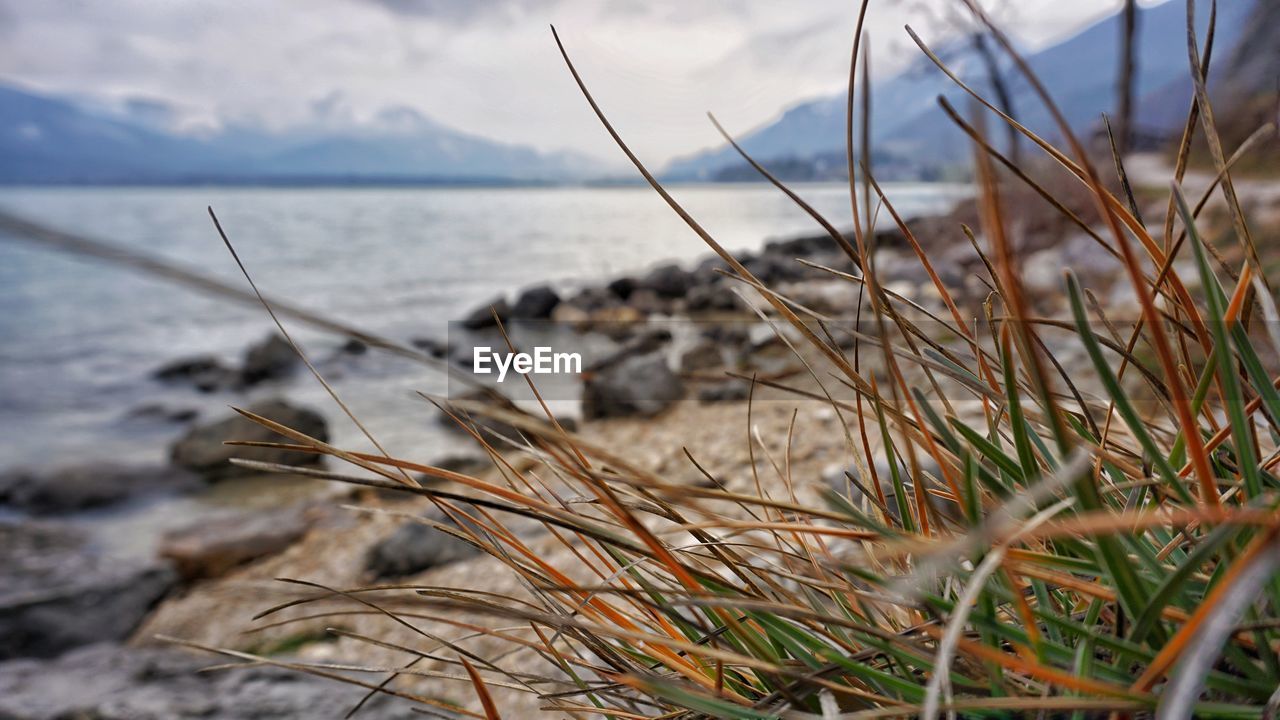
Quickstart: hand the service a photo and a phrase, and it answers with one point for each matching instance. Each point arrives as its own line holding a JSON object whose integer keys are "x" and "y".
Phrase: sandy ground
{"x": 219, "y": 612}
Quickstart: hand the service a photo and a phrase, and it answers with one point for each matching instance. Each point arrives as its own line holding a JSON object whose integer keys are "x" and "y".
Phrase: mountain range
{"x": 916, "y": 138}
{"x": 47, "y": 139}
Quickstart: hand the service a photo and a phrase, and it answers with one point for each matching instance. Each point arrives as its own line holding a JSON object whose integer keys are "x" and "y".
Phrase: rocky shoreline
{"x": 672, "y": 334}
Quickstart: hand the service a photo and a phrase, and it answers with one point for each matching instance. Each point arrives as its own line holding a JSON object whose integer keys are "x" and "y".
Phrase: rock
{"x": 415, "y": 547}
{"x": 111, "y": 682}
{"x": 482, "y": 317}
{"x": 703, "y": 355}
{"x": 202, "y": 450}
{"x": 622, "y": 287}
{"x": 716, "y": 296}
{"x": 733, "y": 390}
{"x": 271, "y": 359}
{"x": 157, "y": 412}
{"x": 668, "y": 281}
{"x": 648, "y": 302}
{"x": 592, "y": 299}
{"x": 84, "y": 487}
{"x": 641, "y": 343}
{"x": 535, "y": 303}
{"x": 57, "y": 593}
{"x": 353, "y": 347}
{"x": 572, "y": 315}
{"x": 638, "y": 385}
{"x": 205, "y": 372}
{"x": 210, "y": 548}
{"x": 836, "y": 298}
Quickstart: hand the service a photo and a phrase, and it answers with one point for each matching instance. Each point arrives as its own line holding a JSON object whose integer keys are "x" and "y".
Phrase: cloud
{"x": 489, "y": 68}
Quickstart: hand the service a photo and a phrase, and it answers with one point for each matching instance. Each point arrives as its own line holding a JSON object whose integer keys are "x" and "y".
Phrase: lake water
{"x": 81, "y": 337}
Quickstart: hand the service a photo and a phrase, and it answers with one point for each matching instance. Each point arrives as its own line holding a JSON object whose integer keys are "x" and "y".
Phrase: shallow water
{"x": 80, "y": 338}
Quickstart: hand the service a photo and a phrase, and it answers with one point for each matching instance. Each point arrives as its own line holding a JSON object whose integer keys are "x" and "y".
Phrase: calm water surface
{"x": 80, "y": 338}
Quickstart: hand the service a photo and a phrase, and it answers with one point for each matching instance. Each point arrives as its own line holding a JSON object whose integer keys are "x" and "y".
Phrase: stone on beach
{"x": 87, "y": 486}
{"x": 209, "y": 548}
{"x": 202, "y": 449}
{"x": 636, "y": 385}
{"x": 57, "y": 592}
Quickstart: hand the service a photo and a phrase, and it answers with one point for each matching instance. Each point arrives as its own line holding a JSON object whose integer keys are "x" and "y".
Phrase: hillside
{"x": 906, "y": 120}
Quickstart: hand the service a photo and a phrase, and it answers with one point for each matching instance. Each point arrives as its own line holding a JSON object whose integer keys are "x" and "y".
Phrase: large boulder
{"x": 57, "y": 592}
{"x": 202, "y": 450}
{"x": 415, "y": 547}
{"x": 113, "y": 682}
{"x": 209, "y": 548}
{"x": 271, "y": 359}
{"x": 85, "y": 487}
{"x": 636, "y": 385}
{"x": 535, "y": 303}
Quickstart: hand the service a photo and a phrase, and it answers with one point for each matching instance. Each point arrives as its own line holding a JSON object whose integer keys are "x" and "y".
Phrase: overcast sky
{"x": 489, "y": 67}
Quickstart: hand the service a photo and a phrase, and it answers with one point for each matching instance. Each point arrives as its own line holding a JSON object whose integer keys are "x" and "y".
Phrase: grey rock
{"x": 202, "y": 450}
{"x": 712, "y": 297}
{"x": 415, "y": 547}
{"x": 57, "y": 592}
{"x": 622, "y": 287}
{"x": 535, "y": 303}
{"x": 111, "y": 682}
{"x": 669, "y": 281}
{"x": 159, "y": 413}
{"x": 638, "y": 385}
{"x": 482, "y": 317}
{"x": 206, "y": 373}
{"x": 702, "y": 355}
{"x": 210, "y": 548}
{"x": 85, "y": 487}
{"x": 271, "y": 359}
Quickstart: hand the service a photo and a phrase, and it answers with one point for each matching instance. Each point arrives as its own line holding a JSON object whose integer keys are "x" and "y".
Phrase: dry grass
{"x": 1068, "y": 535}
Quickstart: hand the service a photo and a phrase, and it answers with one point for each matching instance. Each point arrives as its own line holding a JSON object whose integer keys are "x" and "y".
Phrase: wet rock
{"x": 702, "y": 355}
{"x": 271, "y": 359}
{"x": 415, "y": 547}
{"x": 668, "y": 281}
{"x": 111, "y": 682}
{"x": 535, "y": 303}
{"x": 85, "y": 487}
{"x": 202, "y": 450}
{"x": 57, "y": 592}
{"x": 572, "y": 315}
{"x": 210, "y": 548}
{"x": 159, "y": 413}
{"x": 465, "y": 464}
{"x": 733, "y": 390}
{"x": 206, "y": 373}
{"x": 482, "y": 317}
{"x": 637, "y": 385}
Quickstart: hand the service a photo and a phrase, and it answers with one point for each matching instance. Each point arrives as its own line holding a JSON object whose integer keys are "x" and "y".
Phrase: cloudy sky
{"x": 486, "y": 66}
